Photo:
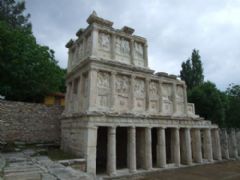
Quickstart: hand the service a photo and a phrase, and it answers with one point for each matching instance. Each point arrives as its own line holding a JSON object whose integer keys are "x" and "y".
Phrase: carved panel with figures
{"x": 138, "y": 54}
{"x": 122, "y": 89}
{"x": 140, "y": 94}
{"x": 122, "y": 50}
{"x": 180, "y": 99}
{"x": 104, "y": 44}
{"x": 167, "y": 98}
{"x": 153, "y": 96}
{"x": 103, "y": 89}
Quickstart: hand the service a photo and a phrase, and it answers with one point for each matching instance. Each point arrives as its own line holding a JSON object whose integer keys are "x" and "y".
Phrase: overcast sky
{"x": 173, "y": 29}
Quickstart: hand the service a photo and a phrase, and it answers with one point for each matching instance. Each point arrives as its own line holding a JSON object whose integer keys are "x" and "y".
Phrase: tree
{"x": 28, "y": 71}
{"x": 12, "y": 13}
{"x": 209, "y": 102}
{"x": 192, "y": 71}
{"x": 233, "y": 112}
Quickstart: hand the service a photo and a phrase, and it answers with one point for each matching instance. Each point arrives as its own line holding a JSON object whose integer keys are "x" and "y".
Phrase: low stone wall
{"x": 29, "y": 122}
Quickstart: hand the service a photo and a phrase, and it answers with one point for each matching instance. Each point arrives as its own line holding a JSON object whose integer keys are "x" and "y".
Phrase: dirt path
{"x": 226, "y": 170}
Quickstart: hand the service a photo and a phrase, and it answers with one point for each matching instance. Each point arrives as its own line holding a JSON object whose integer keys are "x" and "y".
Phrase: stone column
{"x": 176, "y": 146}
{"x": 94, "y": 42}
{"x": 132, "y": 149}
{"x": 224, "y": 144}
{"x": 233, "y": 152}
{"x": 197, "y": 145}
{"x": 145, "y": 54}
{"x": 92, "y": 95}
{"x": 186, "y": 151}
{"x": 111, "y": 151}
{"x": 113, "y": 46}
{"x": 208, "y": 145}
{"x": 216, "y": 145}
{"x": 148, "y": 149}
{"x": 161, "y": 148}
{"x": 174, "y": 98}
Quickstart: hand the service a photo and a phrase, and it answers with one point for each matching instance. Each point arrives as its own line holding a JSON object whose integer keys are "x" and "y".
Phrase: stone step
{"x": 23, "y": 176}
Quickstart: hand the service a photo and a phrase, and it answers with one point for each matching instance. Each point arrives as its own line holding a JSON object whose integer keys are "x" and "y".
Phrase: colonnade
{"x": 188, "y": 146}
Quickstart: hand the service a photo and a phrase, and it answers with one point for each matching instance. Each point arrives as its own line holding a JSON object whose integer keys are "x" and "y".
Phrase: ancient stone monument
{"x": 120, "y": 114}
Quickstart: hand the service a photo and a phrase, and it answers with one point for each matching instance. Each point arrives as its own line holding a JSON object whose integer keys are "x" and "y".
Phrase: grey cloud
{"x": 173, "y": 28}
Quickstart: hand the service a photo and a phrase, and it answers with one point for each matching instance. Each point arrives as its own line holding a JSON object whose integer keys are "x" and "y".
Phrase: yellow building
{"x": 55, "y": 99}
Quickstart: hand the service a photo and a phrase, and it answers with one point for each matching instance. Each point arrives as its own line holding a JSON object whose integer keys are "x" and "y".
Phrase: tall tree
{"x": 13, "y": 13}
{"x": 192, "y": 70}
{"x": 209, "y": 102}
{"x": 233, "y": 113}
{"x": 28, "y": 71}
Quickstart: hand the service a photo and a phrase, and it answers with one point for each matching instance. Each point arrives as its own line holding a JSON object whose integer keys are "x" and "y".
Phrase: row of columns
{"x": 189, "y": 151}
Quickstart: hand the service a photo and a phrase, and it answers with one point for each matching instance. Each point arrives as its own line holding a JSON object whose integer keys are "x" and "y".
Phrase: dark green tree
{"x": 209, "y": 102}
{"x": 13, "y": 13}
{"x": 192, "y": 70}
{"x": 28, "y": 71}
{"x": 233, "y": 112}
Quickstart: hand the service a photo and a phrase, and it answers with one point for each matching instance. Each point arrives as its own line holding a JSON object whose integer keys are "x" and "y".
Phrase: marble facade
{"x": 114, "y": 101}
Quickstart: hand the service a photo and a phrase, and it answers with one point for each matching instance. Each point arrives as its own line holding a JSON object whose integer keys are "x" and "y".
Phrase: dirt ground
{"x": 226, "y": 170}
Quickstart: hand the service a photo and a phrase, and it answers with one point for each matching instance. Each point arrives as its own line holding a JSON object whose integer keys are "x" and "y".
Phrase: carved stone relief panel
{"x": 104, "y": 45}
{"x": 103, "y": 89}
{"x": 167, "y": 98}
{"x": 140, "y": 94}
{"x": 138, "y": 54}
{"x": 153, "y": 96}
{"x": 180, "y": 99}
{"x": 122, "y": 50}
{"x": 122, "y": 89}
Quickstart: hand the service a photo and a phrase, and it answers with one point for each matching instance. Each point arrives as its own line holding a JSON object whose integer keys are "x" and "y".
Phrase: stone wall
{"x": 29, "y": 122}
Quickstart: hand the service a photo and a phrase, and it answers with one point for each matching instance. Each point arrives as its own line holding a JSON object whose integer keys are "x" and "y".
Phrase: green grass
{"x": 57, "y": 154}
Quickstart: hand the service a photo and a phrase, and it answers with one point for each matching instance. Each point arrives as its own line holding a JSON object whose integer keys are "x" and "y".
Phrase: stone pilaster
{"x": 224, "y": 144}
{"x": 233, "y": 152}
{"x": 161, "y": 148}
{"x": 145, "y": 54}
{"x": 148, "y": 149}
{"x": 186, "y": 151}
{"x": 185, "y": 99}
{"x": 132, "y": 51}
{"x": 174, "y": 98}
{"x": 147, "y": 99}
{"x": 94, "y": 43}
{"x": 113, "y": 101}
{"x": 91, "y": 150}
{"x": 160, "y": 98}
{"x": 92, "y": 95}
{"x": 176, "y": 146}
{"x": 207, "y": 145}
{"x": 113, "y": 46}
{"x": 132, "y": 149}
{"x": 216, "y": 145}
{"x": 132, "y": 98}
{"x": 197, "y": 145}
{"x": 111, "y": 151}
